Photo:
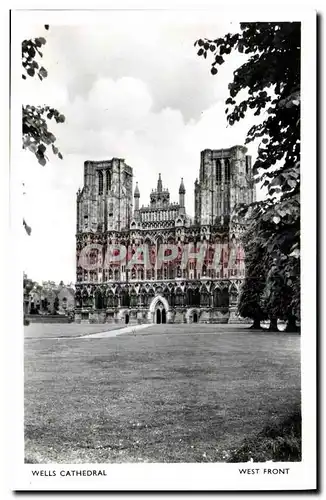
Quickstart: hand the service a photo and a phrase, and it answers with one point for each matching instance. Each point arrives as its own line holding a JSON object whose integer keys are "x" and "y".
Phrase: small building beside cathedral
{"x": 155, "y": 264}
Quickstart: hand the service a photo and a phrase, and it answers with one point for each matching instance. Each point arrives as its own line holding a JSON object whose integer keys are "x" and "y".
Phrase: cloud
{"x": 157, "y": 50}
{"x": 142, "y": 96}
{"x": 117, "y": 119}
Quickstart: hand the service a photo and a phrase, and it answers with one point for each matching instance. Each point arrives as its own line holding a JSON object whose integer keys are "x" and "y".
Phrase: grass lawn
{"x": 53, "y": 330}
{"x": 169, "y": 393}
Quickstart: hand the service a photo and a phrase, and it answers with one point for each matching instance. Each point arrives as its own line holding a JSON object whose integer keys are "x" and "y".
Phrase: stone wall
{"x": 104, "y": 218}
{"x": 173, "y": 315}
{"x": 48, "y": 318}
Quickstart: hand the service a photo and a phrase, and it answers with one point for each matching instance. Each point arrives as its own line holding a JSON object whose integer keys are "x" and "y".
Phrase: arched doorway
{"x": 158, "y": 310}
{"x": 195, "y": 318}
{"x": 127, "y": 319}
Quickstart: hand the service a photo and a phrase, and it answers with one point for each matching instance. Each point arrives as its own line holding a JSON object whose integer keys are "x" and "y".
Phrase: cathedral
{"x": 201, "y": 269}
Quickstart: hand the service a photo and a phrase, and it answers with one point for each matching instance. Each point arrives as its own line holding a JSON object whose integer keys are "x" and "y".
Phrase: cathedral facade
{"x": 155, "y": 264}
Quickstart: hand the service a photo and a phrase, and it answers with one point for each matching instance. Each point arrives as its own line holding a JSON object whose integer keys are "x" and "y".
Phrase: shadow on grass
{"x": 280, "y": 443}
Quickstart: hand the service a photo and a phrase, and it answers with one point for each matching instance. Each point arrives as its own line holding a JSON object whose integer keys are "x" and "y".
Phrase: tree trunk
{"x": 291, "y": 324}
{"x": 256, "y": 325}
{"x": 273, "y": 325}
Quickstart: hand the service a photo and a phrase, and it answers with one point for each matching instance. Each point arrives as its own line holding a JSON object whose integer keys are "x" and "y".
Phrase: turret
{"x": 136, "y": 199}
{"x": 159, "y": 184}
{"x": 182, "y": 192}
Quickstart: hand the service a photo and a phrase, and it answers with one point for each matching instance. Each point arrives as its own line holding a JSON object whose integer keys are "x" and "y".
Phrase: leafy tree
{"x": 30, "y": 48}
{"x": 36, "y": 135}
{"x": 45, "y": 304}
{"x": 250, "y": 302}
{"x": 55, "y": 305}
{"x": 268, "y": 84}
{"x": 282, "y": 289}
{"x": 271, "y": 81}
{"x": 272, "y": 253}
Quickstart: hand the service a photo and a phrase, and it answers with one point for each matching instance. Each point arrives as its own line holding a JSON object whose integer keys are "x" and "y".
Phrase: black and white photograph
{"x": 162, "y": 236}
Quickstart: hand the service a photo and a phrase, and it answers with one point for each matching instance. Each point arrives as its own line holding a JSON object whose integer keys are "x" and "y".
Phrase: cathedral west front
{"x": 155, "y": 263}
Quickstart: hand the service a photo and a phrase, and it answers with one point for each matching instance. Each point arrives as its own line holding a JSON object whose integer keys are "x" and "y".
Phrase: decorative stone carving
{"x": 112, "y": 221}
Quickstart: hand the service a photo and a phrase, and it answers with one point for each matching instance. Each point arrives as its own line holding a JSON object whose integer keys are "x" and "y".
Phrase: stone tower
{"x": 202, "y": 288}
{"x": 225, "y": 180}
{"x": 105, "y": 202}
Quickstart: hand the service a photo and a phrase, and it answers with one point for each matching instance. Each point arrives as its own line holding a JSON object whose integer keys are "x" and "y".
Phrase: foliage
{"x": 28, "y": 229}
{"x": 30, "y": 49}
{"x": 250, "y": 303}
{"x": 56, "y": 305}
{"x": 36, "y": 136}
{"x": 282, "y": 291}
{"x": 279, "y": 443}
{"x": 35, "y": 132}
{"x": 268, "y": 84}
{"x": 271, "y": 77}
{"x": 272, "y": 247}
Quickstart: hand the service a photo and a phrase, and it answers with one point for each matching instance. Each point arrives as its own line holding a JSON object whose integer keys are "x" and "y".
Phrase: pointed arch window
{"x": 227, "y": 170}
{"x": 116, "y": 300}
{"x": 85, "y": 298}
{"x": 218, "y": 171}
{"x": 179, "y": 297}
{"x": 217, "y": 297}
{"x": 110, "y": 299}
{"x": 125, "y": 298}
{"x": 196, "y": 297}
{"x": 108, "y": 181}
{"x": 133, "y": 298}
{"x": 189, "y": 297}
{"x": 225, "y": 298}
{"x": 204, "y": 298}
{"x": 98, "y": 300}
{"x": 166, "y": 295}
{"x": 100, "y": 182}
{"x": 143, "y": 298}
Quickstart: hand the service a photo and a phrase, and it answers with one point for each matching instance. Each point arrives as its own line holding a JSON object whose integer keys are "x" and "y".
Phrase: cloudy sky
{"x": 130, "y": 86}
